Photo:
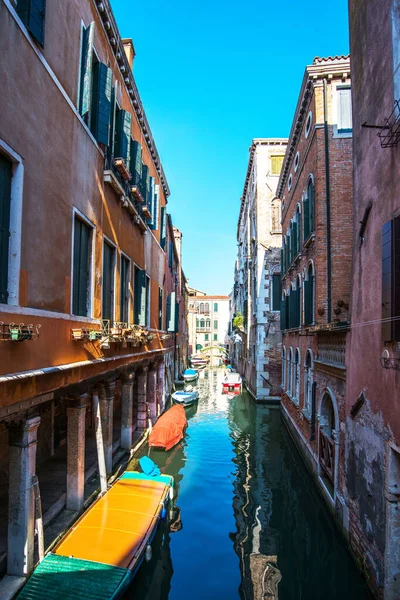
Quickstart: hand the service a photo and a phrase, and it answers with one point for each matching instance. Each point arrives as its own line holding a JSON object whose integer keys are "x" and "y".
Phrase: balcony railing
{"x": 130, "y": 189}
{"x": 332, "y": 348}
{"x": 327, "y": 455}
{"x": 201, "y": 329}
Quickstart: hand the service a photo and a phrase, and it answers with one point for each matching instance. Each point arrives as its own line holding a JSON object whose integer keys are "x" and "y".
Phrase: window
{"x": 124, "y": 285}
{"x": 308, "y": 209}
{"x": 308, "y": 382}
{"x": 172, "y": 313}
{"x": 284, "y": 311}
{"x": 122, "y": 148}
{"x": 206, "y": 336}
{"x": 296, "y": 161}
{"x": 293, "y": 303}
{"x": 202, "y": 323}
{"x": 298, "y": 229}
{"x": 197, "y": 323}
{"x": 206, "y": 308}
{"x": 147, "y": 301}
{"x": 160, "y": 308}
{"x": 95, "y": 89}
{"x": 276, "y": 216}
{"x": 289, "y": 185}
{"x": 163, "y": 228}
{"x": 5, "y": 209}
{"x": 276, "y": 164}
{"x": 391, "y": 280}
{"x": 309, "y": 293}
{"x": 32, "y": 13}
{"x": 296, "y": 376}
{"x": 276, "y": 291}
{"x": 215, "y": 306}
{"x": 289, "y": 373}
{"x": 344, "y": 120}
{"x": 308, "y": 124}
{"x": 215, "y": 324}
{"x": 140, "y": 297}
{"x": 155, "y": 208}
{"x": 108, "y": 281}
{"x": 284, "y": 367}
{"x": 215, "y": 337}
{"x": 208, "y": 324}
{"x": 81, "y": 281}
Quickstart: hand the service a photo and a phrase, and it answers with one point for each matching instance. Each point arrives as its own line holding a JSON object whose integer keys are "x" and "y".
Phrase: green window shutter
{"x": 85, "y": 98}
{"x": 101, "y": 103}
{"x": 298, "y": 220}
{"x": 140, "y": 297}
{"x": 108, "y": 282}
{"x": 276, "y": 291}
{"x": 5, "y": 205}
{"x": 294, "y": 240}
{"x": 145, "y": 184}
{"x": 151, "y": 202}
{"x": 306, "y": 218}
{"x": 283, "y": 314}
{"x": 32, "y": 13}
{"x": 171, "y": 310}
{"x": 160, "y": 309}
{"x": 206, "y": 337}
{"x": 136, "y": 162}
{"x": 156, "y": 207}
{"x": 123, "y": 136}
{"x": 170, "y": 255}
{"x": 163, "y": 238}
{"x": 215, "y": 306}
{"x": 80, "y": 272}
{"x": 308, "y": 302}
{"x": 215, "y": 337}
{"x": 124, "y": 286}
{"x": 311, "y": 207}
{"x": 215, "y": 324}
{"x": 176, "y": 317}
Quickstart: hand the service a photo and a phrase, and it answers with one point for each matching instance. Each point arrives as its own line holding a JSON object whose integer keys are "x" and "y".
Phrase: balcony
{"x": 203, "y": 329}
{"x": 332, "y": 348}
{"x": 128, "y": 190}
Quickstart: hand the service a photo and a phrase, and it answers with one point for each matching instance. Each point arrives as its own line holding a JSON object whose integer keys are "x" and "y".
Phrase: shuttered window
{"x": 123, "y": 136}
{"x": 108, "y": 282}
{"x": 170, "y": 254}
{"x": 309, "y": 298}
{"x": 344, "y": 118}
{"x": 85, "y": 95}
{"x": 391, "y": 280}
{"x": 101, "y": 103}
{"x": 276, "y": 291}
{"x": 140, "y": 297}
{"x": 147, "y": 307}
{"x": 145, "y": 184}
{"x": 151, "y": 201}
{"x": 311, "y": 204}
{"x": 206, "y": 337}
{"x": 171, "y": 312}
{"x": 136, "y": 163}
{"x": 283, "y": 314}
{"x": 215, "y": 337}
{"x": 215, "y": 324}
{"x": 160, "y": 309}
{"x": 124, "y": 284}
{"x": 306, "y": 217}
{"x": 163, "y": 238}
{"x": 276, "y": 164}
{"x": 81, "y": 269}
{"x": 215, "y": 306}
{"x": 156, "y": 207}
{"x": 32, "y": 13}
{"x": 5, "y": 205}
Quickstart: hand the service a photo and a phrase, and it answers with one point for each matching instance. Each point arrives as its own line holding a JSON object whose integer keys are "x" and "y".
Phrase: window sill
{"x": 310, "y": 240}
{"x": 306, "y": 414}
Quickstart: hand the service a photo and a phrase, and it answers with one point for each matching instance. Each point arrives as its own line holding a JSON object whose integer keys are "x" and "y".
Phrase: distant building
{"x": 372, "y": 409}
{"x": 208, "y": 322}
{"x": 316, "y": 191}
{"x": 257, "y": 289}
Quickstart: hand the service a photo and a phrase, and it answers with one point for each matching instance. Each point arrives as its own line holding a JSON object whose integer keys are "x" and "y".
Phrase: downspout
{"x": 328, "y": 204}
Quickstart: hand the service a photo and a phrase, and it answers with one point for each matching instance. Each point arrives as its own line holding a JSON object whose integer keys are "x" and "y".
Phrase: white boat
{"x": 185, "y": 397}
{"x": 190, "y": 375}
{"x": 232, "y": 384}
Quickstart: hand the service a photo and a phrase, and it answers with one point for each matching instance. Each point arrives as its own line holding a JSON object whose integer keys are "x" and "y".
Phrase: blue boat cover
{"x": 190, "y": 372}
{"x": 167, "y": 479}
{"x": 149, "y": 467}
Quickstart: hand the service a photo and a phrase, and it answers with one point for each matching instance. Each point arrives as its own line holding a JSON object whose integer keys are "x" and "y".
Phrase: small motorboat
{"x": 169, "y": 428}
{"x": 232, "y": 384}
{"x": 185, "y": 397}
{"x": 101, "y": 553}
{"x": 190, "y": 375}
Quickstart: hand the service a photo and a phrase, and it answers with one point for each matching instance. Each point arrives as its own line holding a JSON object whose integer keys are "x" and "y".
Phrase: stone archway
{"x": 328, "y": 441}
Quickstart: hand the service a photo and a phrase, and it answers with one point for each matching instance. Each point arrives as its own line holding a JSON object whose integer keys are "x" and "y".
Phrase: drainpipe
{"x": 313, "y": 409}
{"x": 328, "y": 204}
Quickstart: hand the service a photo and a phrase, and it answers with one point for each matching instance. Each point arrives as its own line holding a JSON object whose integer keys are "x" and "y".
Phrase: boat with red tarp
{"x": 169, "y": 429}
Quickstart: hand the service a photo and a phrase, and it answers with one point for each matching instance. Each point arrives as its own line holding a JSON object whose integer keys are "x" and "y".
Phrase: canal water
{"x": 251, "y": 522}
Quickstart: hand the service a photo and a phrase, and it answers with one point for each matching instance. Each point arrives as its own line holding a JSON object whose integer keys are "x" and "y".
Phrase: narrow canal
{"x": 250, "y": 516}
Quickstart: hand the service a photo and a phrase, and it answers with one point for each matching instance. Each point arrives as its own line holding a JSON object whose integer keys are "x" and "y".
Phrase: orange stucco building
{"x": 88, "y": 307}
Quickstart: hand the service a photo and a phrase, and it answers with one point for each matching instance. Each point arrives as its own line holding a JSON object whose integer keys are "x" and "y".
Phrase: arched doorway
{"x": 328, "y": 446}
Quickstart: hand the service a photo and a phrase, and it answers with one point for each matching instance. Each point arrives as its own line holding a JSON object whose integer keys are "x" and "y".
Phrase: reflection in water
{"x": 238, "y": 478}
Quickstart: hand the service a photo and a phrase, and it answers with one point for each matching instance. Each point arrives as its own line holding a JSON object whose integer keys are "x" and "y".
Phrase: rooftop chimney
{"x": 129, "y": 51}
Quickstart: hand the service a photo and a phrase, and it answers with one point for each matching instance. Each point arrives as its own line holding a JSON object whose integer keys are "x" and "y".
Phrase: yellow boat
{"x": 99, "y": 556}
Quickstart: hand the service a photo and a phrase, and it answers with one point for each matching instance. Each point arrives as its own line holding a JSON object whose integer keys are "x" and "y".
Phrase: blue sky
{"x": 212, "y": 76}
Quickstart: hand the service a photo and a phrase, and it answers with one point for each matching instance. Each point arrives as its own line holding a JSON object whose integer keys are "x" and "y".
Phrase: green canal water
{"x": 248, "y": 511}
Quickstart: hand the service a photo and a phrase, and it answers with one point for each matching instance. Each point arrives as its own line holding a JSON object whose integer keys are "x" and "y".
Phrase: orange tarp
{"x": 114, "y": 528}
{"x": 169, "y": 428}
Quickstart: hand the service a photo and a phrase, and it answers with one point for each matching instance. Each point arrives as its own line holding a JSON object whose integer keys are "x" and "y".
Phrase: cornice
{"x": 107, "y": 19}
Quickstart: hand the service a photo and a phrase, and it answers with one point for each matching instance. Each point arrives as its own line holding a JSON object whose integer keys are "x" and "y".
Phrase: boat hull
{"x": 185, "y": 399}
{"x": 190, "y": 377}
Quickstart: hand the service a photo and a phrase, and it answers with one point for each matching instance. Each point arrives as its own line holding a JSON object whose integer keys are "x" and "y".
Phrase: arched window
{"x": 309, "y": 295}
{"x": 208, "y": 323}
{"x": 284, "y": 323}
{"x": 308, "y": 209}
{"x": 207, "y": 307}
{"x": 284, "y": 367}
{"x": 289, "y": 373}
{"x": 202, "y": 324}
{"x": 298, "y": 302}
{"x": 308, "y": 382}
{"x": 291, "y": 247}
{"x": 328, "y": 434}
{"x": 298, "y": 221}
{"x": 197, "y": 323}
{"x": 296, "y": 376}
{"x": 202, "y": 307}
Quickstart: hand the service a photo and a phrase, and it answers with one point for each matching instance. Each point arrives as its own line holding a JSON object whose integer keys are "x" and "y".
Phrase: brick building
{"x": 373, "y": 357}
{"x": 85, "y": 286}
{"x": 256, "y": 293}
{"x": 315, "y": 187}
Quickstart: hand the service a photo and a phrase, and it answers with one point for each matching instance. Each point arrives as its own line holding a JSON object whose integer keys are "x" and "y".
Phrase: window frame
{"x": 77, "y": 214}
{"x": 124, "y": 256}
{"x": 106, "y": 240}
